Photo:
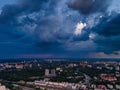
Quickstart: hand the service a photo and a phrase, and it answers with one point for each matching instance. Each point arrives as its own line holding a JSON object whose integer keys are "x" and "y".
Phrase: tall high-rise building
{"x": 117, "y": 68}
{"x": 47, "y": 72}
{"x": 53, "y": 73}
{"x": 50, "y": 73}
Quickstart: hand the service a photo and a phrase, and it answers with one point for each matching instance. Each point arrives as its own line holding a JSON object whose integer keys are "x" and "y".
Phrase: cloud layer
{"x": 60, "y": 27}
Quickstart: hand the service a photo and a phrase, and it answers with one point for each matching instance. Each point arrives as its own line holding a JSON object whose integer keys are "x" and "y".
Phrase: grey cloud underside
{"x": 49, "y": 25}
{"x": 108, "y": 36}
{"x": 89, "y": 6}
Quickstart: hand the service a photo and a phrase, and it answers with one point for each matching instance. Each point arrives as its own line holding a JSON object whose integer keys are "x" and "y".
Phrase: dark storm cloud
{"x": 48, "y": 26}
{"x": 107, "y": 45}
{"x": 17, "y": 20}
{"x": 10, "y": 12}
{"x": 108, "y": 35}
{"x": 110, "y": 28}
{"x": 89, "y": 6}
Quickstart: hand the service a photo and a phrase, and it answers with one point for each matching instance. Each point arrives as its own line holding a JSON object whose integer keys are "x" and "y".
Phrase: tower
{"x": 47, "y": 72}
{"x": 53, "y": 73}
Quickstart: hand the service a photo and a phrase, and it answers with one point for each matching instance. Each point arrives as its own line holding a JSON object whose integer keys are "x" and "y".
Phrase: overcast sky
{"x": 60, "y": 28}
{"x": 4, "y": 2}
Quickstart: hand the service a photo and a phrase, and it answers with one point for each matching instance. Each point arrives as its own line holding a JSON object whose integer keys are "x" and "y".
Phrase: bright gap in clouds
{"x": 79, "y": 27}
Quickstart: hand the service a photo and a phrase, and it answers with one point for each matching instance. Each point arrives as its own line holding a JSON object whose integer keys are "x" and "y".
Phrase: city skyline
{"x": 59, "y": 29}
